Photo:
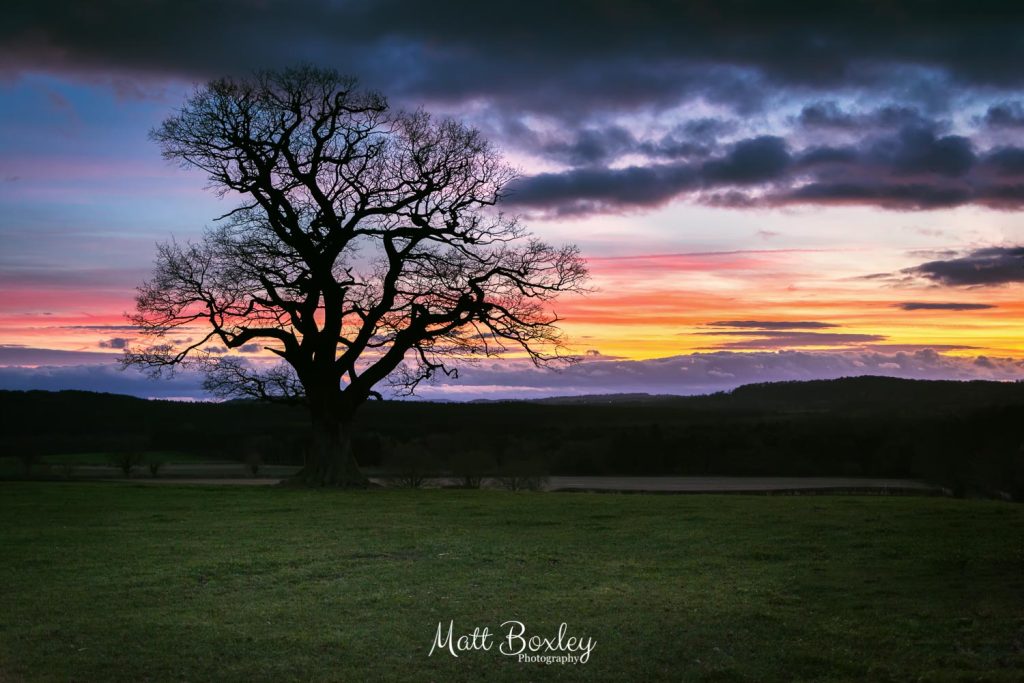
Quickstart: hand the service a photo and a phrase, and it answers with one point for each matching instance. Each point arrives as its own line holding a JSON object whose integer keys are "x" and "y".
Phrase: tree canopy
{"x": 367, "y": 248}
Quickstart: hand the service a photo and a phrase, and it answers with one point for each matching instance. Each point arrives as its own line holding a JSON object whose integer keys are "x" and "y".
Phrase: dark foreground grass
{"x": 104, "y": 582}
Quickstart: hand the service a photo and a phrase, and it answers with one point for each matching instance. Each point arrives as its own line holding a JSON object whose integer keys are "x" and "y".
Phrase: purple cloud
{"x": 772, "y": 324}
{"x": 684, "y": 375}
{"x": 942, "y": 306}
{"x": 719, "y": 371}
{"x": 114, "y": 343}
{"x": 27, "y": 356}
{"x": 981, "y": 267}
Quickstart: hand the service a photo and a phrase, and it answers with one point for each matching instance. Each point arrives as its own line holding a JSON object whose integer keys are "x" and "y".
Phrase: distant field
{"x": 111, "y": 582}
{"x": 105, "y": 458}
{"x": 102, "y": 465}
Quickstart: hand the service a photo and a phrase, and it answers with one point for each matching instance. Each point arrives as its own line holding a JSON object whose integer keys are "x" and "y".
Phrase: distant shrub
{"x": 523, "y": 475}
{"x": 253, "y": 462}
{"x": 126, "y": 461}
{"x": 67, "y": 469}
{"x": 29, "y": 461}
{"x": 410, "y": 464}
{"x": 470, "y": 467}
{"x": 154, "y": 466}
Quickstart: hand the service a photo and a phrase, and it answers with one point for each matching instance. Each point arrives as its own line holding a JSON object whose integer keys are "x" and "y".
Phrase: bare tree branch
{"x": 366, "y": 249}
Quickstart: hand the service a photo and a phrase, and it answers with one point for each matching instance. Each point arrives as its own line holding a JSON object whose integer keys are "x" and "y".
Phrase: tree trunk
{"x": 330, "y": 460}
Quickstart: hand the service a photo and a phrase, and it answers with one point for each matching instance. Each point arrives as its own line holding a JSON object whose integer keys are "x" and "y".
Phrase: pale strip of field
{"x": 635, "y": 484}
{"x": 730, "y": 484}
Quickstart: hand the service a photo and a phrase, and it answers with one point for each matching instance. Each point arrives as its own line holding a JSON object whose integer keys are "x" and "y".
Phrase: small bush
{"x": 410, "y": 463}
{"x": 154, "y": 467}
{"x": 67, "y": 470}
{"x": 30, "y": 460}
{"x": 126, "y": 461}
{"x": 523, "y": 475}
{"x": 253, "y": 462}
{"x": 470, "y": 467}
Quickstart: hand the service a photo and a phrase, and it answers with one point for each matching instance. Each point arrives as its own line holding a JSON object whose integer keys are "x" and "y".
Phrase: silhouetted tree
{"x": 366, "y": 250}
{"x": 126, "y": 461}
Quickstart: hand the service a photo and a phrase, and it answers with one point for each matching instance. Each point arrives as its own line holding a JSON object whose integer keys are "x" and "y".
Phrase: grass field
{"x": 109, "y": 582}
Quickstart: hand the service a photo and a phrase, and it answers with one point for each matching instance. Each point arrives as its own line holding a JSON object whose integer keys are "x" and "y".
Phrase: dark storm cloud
{"x": 1006, "y": 161}
{"x": 595, "y": 146}
{"x": 942, "y": 306}
{"x": 591, "y": 146}
{"x": 552, "y": 54}
{"x": 988, "y": 266}
{"x": 913, "y": 168}
{"x": 583, "y": 190}
{"x": 581, "y": 69}
{"x": 908, "y": 196}
{"x": 593, "y": 190}
{"x": 756, "y": 160}
{"x": 829, "y": 115}
{"x": 918, "y": 150}
{"x": 1004, "y": 115}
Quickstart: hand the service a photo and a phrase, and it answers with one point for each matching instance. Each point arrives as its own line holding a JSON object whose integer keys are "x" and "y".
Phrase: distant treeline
{"x": 967, "y": 436}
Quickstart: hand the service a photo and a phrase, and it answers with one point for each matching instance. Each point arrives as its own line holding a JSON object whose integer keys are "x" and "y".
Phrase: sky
{"x": 763, "y": 191}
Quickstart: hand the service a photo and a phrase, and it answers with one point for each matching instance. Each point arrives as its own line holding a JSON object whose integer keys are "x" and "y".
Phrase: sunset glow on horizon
{"x": 728, "y": 202}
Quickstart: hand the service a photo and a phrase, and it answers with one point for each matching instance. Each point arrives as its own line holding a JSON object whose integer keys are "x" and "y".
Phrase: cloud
{"x": 942, "y": 306}
{"x": 102, "y": 328}
{"x": 757, "y": 160}
{"x": 830, "y": 116}
{"x": 773, "y": 324}
{"x": 104, "y": 378}
{"x": 595, "y": 190}
{"x": 718, "y": 371}
{"x": 27, "y": 356}
{"x": 114, "y": 343}
{"x": 667, "y": 87}
{"x": 777, "y": 339}
{"x": 918, "y": 150}
{"x": 914, "y": 348}
{"x": 981, "y": 267}
{"x": 601, "y": 145}
{"x": 783, "y": 334}
{"x": 734, "y": 52}
{"x": 912, "y": 168}
{"x": 586, "y": 190}
{"x": 688, "y": 374}
{"x": 1004, "y": 115}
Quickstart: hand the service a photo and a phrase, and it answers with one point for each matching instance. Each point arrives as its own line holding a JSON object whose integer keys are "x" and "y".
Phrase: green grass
{"x": 107, "y": 582}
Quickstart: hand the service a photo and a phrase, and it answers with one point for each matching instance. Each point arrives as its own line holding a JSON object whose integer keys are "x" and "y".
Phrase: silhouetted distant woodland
{"x": 966, "y": 436}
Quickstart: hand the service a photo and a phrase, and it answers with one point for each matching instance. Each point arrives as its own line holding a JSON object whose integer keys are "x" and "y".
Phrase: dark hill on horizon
{"x": 861, "y": 393}
{"x": 865, "y": 392}
{"x": 966, "y": 435}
